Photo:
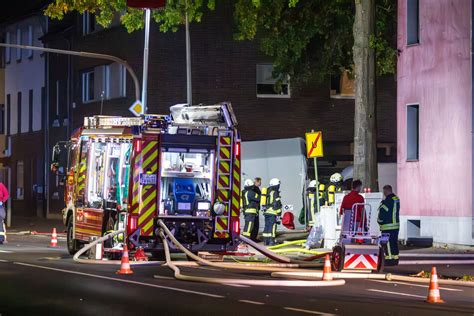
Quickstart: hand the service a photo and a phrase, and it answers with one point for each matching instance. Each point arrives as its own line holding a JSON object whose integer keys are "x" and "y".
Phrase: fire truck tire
{"x": 381, "y": 263}
{"x": 73, "y": 245}
{"x": 337, "y": 258}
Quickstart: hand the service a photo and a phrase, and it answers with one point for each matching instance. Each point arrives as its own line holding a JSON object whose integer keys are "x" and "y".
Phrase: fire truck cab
{"x": 127, "y": 173}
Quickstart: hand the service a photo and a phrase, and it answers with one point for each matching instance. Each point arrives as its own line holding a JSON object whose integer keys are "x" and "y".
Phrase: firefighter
{"x": 3, "y": 198}
{"x": 251, "y": 202}
{"x": 313, "y": 205}
{"x": 334, "y": 186}
{"x": 272, "y": 212}
{"x": 389, "y": 222}
{"x": 256, "y": 225}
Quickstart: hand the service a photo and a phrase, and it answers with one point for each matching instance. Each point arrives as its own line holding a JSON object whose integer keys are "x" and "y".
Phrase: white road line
{"x": 6, "y": 251}
{"x": 307, "y": 311}
{"x": 434, "y": 262}
{"x": 238, "y": 285}
{"x": 156, "y": 276}
{"x": 1, "y": 260}
{"x": 121, "y": 280}
{"x": 437, "y": 255}
{"x": 412, "y": 284}
{"x": 251, "y": 302}
{"x": 396, "y": 293}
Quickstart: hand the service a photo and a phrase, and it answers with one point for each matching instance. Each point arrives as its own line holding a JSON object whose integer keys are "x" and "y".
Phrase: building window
{"x": 20, "y": 180}
{"x": 30, "y": 41}
{"x": 413, "y": 22}
{"x": 8, "y": 118}
{"x": 19, "y": 112}
{"x": 2, "y": 118}
{"x": 413, "y": 132}
{"x": 30, "y": 111}
{"x": 342, "y": 86}
{"x": 88, "y": 23}
{"x": 115, "y": 81}
{"x": 18, "y": 42}
{"x": 8, "y": 50}
{"x": 266, "y": 83}
{"x": 88, "y": 86}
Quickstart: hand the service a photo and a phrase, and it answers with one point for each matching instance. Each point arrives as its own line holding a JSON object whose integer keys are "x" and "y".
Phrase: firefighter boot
{"x": 271, "y": 241}
{"x": 266, "y": 241}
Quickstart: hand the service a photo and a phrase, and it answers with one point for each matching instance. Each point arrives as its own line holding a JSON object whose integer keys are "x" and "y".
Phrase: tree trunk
{"x": 365, "y": 129}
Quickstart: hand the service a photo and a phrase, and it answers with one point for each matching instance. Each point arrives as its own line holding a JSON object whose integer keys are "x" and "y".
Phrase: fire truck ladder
{"x": 224, "y": 181}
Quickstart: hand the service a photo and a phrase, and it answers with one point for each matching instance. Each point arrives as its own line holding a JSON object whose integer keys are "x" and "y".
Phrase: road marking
{"x": 251, "y": 302}
{"x": 1, "y": 260}
{"x": 418, "y": 285}
{"x": 121, "y": 280}
{"x": 396, "y": 293}
{"x": 156, "y": 276}
{"x": 435, "y": 262}
{"x": 306, "y": 311}
{"x": 6, "y": 251}
{"x": 238, "y": 285}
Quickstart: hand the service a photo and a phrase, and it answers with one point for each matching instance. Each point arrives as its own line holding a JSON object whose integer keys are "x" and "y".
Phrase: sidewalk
{"x": 41, "y": 225}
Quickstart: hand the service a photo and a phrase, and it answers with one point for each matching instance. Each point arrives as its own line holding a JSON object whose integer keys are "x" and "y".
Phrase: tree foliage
{"x": 306, "y": 39}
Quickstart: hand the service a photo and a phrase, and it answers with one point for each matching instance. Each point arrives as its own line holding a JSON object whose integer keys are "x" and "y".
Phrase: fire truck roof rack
{"x": 220, "y": 115}
{"x": 102, "y": 121}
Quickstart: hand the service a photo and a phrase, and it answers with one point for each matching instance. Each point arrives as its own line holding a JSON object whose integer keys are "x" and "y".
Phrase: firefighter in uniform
{"x": 313, "y": 205}
{"x": 334, "y": 186}
{"x": 257, "y": 184}
{"x": 389, "y": 222}
{"x": 250, "y": 203}
{"x": 272, "y": 212}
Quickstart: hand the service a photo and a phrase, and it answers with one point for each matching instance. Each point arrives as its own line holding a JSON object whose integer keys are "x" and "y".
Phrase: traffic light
{"x": 146, "y": 4}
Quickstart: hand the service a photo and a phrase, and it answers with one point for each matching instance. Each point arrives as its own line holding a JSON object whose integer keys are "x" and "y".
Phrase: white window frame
{"x": 18, "y": 42}
{"x": 8, "y": 50}
{"x": 418, "y": 27}
{"x": 123, "y": 82}
{"x": 30, "y": 41}
{"x": 86, "y": 98}
{"x": 86, "y": 24}
{"x": 267, "y": 95}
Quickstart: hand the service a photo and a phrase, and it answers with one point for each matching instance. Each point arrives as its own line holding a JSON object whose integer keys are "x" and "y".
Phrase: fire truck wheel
{"x": 337, "y": 259}
{"x": 381, "y": 263}
{"x": 73, "y": 245}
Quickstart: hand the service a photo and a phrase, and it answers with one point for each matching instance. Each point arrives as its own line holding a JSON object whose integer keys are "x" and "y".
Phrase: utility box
{"x": 97, "y": 252}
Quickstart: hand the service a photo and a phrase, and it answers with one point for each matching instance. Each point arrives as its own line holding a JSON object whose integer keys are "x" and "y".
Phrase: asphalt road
{"x": 36, "y": 280}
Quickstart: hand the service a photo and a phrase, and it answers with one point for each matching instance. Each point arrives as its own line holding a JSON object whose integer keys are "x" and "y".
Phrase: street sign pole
{"x": 189, "y": 89}
{"x": 315, "y": 159}
{"x": 145, "y": 61}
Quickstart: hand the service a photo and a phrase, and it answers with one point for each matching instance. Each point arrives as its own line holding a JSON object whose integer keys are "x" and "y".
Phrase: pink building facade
{"x": 435, "y": 120}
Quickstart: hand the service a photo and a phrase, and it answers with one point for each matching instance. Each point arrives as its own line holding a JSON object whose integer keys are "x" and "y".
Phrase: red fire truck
{"x": 126, "y": 173}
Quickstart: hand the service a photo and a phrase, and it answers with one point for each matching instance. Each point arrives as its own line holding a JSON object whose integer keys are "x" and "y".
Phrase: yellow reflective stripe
{"x": 383, "y": 206}
{"x": 251, "y": 211}
{"x": 389, "y": 226}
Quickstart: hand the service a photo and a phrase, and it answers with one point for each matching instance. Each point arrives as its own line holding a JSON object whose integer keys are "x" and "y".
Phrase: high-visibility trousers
{"x": 270, "y": 225}
{"x": 391, "y": 250}
{"x": 249, "y": 224}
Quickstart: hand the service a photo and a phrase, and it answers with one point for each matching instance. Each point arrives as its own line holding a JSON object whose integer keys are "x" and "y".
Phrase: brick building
{"x": 222, "y": 69}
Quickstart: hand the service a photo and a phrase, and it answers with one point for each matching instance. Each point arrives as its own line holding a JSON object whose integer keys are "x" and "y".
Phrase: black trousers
{"x": 270, "y": 226}
{"x": 249, "y": 224}
{"x": 391, "y": 250}
{"x": 256, "y": 226}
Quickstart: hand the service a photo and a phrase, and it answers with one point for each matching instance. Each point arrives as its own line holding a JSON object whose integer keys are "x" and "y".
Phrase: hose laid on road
{"x": 300, "y": 250}
{"x": 95, "y": 261}
{"x": 288, "y": 243}
{"x": 312, "y": 275}
{"x": 215, "y": 280}
{"x": 393, "y": 277}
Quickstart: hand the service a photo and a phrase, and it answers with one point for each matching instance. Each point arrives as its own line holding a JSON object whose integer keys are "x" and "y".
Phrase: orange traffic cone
{"x": 327, "y": 275}
{"x": 433, "y": 292}
{"x": 54, "y": 239}
{"x": 125, "y": 266}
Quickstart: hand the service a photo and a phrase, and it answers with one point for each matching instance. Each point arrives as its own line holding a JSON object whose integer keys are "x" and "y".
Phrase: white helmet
{"x": 274, "y": 182}
{"x": 312, "y": 184}
{"x": 248, "y": 183}
{"x": 335, "y": 178}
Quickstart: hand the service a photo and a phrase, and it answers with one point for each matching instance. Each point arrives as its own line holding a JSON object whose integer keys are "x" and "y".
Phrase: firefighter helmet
{"x": 248, "y": 183}
{"x": 274, "y": 182}
{"x": 336, "y": 178}
{"x": 312, "y": 184}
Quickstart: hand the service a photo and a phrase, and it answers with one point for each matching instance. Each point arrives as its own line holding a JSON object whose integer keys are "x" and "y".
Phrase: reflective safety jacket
{"x": 251, "y": 200}
{"x": 322, "y": 194}
{"x": 332, "y": 189}
{"x": 273, "y": 201}
{"x": 389, "y": 213}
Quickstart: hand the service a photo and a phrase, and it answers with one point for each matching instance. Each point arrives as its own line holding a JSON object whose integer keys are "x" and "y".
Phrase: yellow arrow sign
{"x": 136, "y": 108}
{"x": 314, "y": 144}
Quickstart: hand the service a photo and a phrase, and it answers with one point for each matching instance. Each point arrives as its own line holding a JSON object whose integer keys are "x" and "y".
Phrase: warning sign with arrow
{"x": 314, "y": 144}
{"x": 136, "y": 108}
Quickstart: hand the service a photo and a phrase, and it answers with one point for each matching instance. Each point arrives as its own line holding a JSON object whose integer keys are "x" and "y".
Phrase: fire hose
{"x": 178, "y": 275}
{"x": 102, "y": 239}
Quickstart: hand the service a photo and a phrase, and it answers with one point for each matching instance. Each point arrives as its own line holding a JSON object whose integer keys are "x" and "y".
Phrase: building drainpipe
{"x": 46, "y": 136}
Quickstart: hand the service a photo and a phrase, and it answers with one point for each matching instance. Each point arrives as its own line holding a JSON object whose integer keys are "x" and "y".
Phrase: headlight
{"x": 219, "y": 208}
{"x": 203, "y": 206}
